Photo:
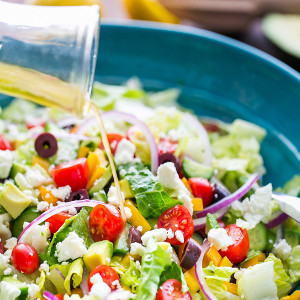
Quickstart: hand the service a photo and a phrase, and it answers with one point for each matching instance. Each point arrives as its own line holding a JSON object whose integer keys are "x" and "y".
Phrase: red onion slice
{"x": 52, "y": 211}
{"x": 201, "y": 222}
{"x": 200, "y": 274}
{"x": 84, "y": 282}
{"x": 84, "y": 126}
{"x": 121, "y": 116}
{"x": 67, "y": 121}
{"x": 229, "y": 199}
{"x": 277, "y": 220}
{"x": 196, "y": 126}
{"x": 49, "y": 296}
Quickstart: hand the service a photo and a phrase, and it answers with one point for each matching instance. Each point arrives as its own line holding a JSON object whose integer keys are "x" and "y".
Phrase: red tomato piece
{"x": 25, "y": 258}
{"x": 1, "y": 248}
{"x": 35, "y": 123}
{"x": 105, "y": 222}
{"x": 114, "y": 139}
{"x": 172, "y": 290}
{"x": 165, "y": 146}
{"x": 108, "y": 274}
{"x": 74, "y": 173}
{"x": 201, "y": 188}
{"x": 56, "y": 221}
{"x": 4, "y": 143}
{"x": 177, "y": 218}
{"x": 237, "y": 252}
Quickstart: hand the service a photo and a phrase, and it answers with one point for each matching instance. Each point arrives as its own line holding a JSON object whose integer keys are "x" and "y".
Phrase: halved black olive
{"x": 81, "y": 194}
{"x": 219, "y": 192}
{"x": 191, "y": 254}
{"x": 46, "y": 145}
{"x": 169, "y": 157}
{"x": 134, "y": 236}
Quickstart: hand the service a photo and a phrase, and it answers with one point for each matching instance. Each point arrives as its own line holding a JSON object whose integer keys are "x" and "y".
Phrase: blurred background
{"x": 270, "y": 25}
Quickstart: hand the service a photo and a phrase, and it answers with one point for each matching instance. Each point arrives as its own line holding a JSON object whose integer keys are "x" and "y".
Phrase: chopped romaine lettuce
{"x": 293, "y": 264}
{"x": 131, "y": 277}
{"x": 74, "y": 275}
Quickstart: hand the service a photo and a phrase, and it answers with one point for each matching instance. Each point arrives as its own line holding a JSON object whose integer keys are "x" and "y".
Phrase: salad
{"x": 194, "y": 221}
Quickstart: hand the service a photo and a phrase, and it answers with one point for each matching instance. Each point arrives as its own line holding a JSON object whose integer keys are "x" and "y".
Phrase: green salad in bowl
{"x": 194, "y": 221}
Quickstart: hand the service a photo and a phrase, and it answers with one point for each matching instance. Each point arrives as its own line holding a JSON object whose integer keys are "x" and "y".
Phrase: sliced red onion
{"x": 84, "y": 282}
{"x": 60, "y": 273}
{"x": 121, "y": 116}
{"x": 67, "y": 121}
{"x": 84, "y": 126}
{"x": 200, "y": 274}
{"x": 52, "y": 211}
{"x": 229, "y": 199}
{"x": 49, "y": 296}
{"x": 196, "y": 126}
{"x": 201, "y": 222}
{"x": 277, "y": 220}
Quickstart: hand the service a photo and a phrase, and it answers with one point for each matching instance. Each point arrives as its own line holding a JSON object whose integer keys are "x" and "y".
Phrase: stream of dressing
{"x": 50, "y": 91}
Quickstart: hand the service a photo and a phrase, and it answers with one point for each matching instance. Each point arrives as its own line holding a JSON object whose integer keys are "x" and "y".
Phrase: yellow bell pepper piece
{"x": 83, "y": 152}
{"x": 93, "y": 162}
{"x": 197, "y": 204}
{"x": 225, "y": 262}
{"x": 186, "y": 183}
{"x": 191, "y": 280}
{"x": 254, "y": 260}
{"x": 47, "y": 196}
{"x": 95, "y": 176}
{"x": 294, "y": 296}
{"x": 231, "y": 287}
{"x": 212, "y": 255}
{"x": 136, "y": 218}
{"x": 42, "y": 162}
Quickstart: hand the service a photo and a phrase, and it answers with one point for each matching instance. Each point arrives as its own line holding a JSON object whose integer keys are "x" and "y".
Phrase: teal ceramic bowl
{"x": 219, "y": 77}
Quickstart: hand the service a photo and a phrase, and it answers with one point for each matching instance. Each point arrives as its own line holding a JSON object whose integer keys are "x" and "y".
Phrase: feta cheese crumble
{"x": 42, "y": 205}
{"x": 4, "y": 226}
{"x": 179, "y": 236}
{"x": 137, "y": 249}
{"x": 71, "y": 247}
{"x": 282, "y": 249}
{"x": 219, "y": 238}
{"x": 160, "y": 235}
{"x": 62, "y": 193}
{"x": 125, "y": 152}
{"x": 112, "y": 196}
{"x": 99, "y": 289}
{"x": 6, "y": 159}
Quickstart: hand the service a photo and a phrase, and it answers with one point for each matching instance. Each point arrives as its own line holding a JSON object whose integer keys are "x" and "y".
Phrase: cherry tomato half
{"x": 114, "y": 139}
{"x": 4, "y": 143}
{"x": 165, "y": 146}
{"x": 25, "y": 258}
{"x": 172, "y": 290}
{"x": 56, "y": 221}
{"x": 1, "y": 248}
{"x": 237, "y": 252}
{"x": 201, "y": 188}
{"x": 105, "y": 222}
{"x": 108, "y": 274}
{"x": 177, "y": 218}
{"x": 74, "y": 173}
{"x": 35, "y": 123}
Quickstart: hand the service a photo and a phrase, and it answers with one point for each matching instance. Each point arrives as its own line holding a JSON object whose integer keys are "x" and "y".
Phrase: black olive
{"x": 81, "y": 194}
{"x": 219, "y": 192}
{"x": 46, "y": 145}
{"x": 191, "y": 254}
{"x": 134, "y": 236}
{"x": 169, "y": 157}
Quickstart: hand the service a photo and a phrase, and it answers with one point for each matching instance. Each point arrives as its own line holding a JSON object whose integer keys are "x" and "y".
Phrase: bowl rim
{"x": 210, "y": 35}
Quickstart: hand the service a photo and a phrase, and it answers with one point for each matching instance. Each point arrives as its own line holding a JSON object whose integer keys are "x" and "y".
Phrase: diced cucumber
{"x": 100, "y": 196}
{"x": 17, "y": 168}
{"x": 21, "y": 285}
{"x": 197, "y": 237}
{"x": 121, "y": 243}
{"x": 28, "y": 215}
{"x": 258, "y": 237}
{"x": 101, "y": 182}
{"x": 271, "y": 239}
{"x": 192, "y": 168}
{"x": 292, "y": 237}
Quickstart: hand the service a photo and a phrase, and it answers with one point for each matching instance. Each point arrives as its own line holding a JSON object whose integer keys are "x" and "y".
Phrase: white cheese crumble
{"x": 257, "y": 208}
{"x": 125, "y": 152}
{"x": 4, "y": 226}
{"x": 11, "y": 243}
{"x": 33, "y": 289}
{"x": 128, "y": 214}
{"x": 179, "y": 236}
{"x": 37, "y": 176}
{"x": 6, "y": 159}
{"x": 99, "y": 289}
{"x": 282, "y": 249}
{"x": 9, "y": 291}
{"x": 219, "y": 238}
{"x": 137, "y": 249}
{"x": 7, "y": 271}
{"x": 160, "y": 235}
{"x": 62, "y": 193}
{"x": 112, "y": 196}
{"x": 168, "y": 178}
{"x": 45, "y": 267}
{"x": 42, "y": 205}
{"x": 140, "y": 228}
{"x": 37, "y": 237}
{"x": 71, "y": 247}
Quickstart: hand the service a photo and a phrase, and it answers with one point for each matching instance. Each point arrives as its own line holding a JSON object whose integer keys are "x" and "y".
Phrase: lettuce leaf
{"x": 293, "y": 263}
{"x": 74, "y": 275}
{"x": 151, "y": 198}
{"x": 154, "y": 261}
{"x": 292, "y": 187}
{"x": 25, "y": 152}
{"x": 131, "y": 277}
{"x": 281, "y": 278}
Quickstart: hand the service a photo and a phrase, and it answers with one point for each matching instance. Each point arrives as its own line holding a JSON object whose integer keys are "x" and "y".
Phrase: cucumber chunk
{"x": 258, "y": 237}
{"x": 192, "y": 168}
